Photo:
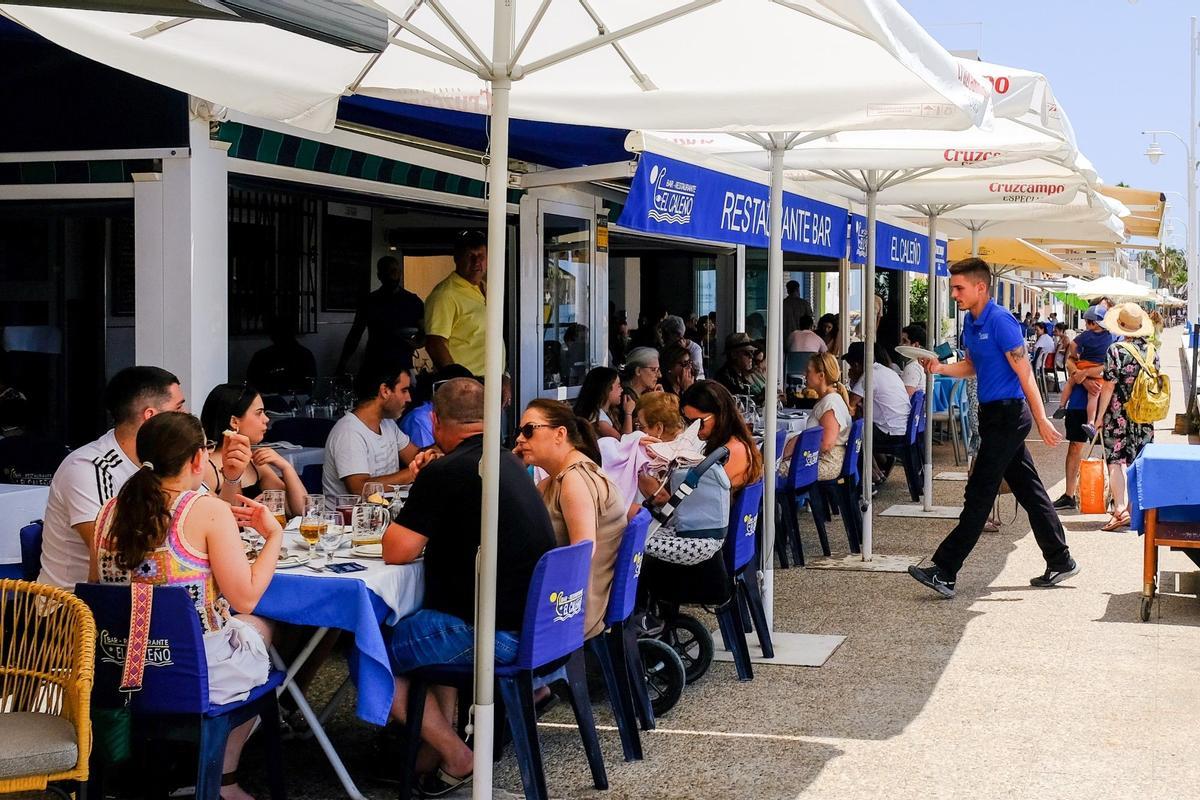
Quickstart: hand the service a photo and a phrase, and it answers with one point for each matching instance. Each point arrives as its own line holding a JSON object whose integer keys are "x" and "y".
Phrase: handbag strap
{"x": 1129, "y": 348}
{"x": 141, "y": 602}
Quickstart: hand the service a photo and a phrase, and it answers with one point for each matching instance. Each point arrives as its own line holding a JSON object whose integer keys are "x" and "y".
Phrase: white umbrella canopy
{"x": 1112, "y": 287}
{"x": 1090, "y": 217}
{"x": 755, "y": 65}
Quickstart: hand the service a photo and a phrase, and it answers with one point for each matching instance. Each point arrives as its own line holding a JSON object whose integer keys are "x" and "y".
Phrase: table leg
{"x": 314, "y": 723}
{"x": 1149, "y": 562}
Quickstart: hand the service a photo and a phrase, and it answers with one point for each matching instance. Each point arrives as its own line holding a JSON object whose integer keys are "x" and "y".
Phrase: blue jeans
{"x": 431, "y": 637}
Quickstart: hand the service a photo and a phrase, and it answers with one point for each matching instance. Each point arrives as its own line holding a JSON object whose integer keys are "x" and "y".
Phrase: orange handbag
{"x": 1092, "y": 474}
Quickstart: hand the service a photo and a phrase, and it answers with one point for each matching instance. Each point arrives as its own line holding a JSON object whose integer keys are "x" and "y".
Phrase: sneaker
{"x": 1060, "y": 413}
{"x": 1089, "y": 430}
{"x": 1066, "y": 503}
{"x": 934, "y": 578}
{"x": 1052, "y": 577}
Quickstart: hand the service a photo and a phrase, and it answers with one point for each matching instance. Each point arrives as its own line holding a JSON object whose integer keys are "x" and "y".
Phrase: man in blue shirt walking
{"x": 1009, "y": 405}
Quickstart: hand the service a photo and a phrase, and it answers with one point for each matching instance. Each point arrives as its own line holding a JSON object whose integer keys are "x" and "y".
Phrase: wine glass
{"x": 372, "y": 489}
{"x": 313, "y": 521}
{"x": 331, "y": 534}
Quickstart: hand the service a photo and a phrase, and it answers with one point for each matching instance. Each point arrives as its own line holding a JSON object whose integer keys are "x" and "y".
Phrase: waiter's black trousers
{"x": 1003, "y": 426}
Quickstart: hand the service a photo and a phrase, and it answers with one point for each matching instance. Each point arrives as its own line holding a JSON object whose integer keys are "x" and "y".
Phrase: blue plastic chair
{"x": 173, "y": 702}
{"x": 616, "y": 649}
{"x": 909, "y": 451}
{"x": 313, "y": 477}
{"x": 846, "y": 488}
{"x": 31, "y": 551}
{"x": 304, "y": 431}
{"x": 738, "y": 551}
{"x": 800, "y": 480}
{"x": 550, "y": 652}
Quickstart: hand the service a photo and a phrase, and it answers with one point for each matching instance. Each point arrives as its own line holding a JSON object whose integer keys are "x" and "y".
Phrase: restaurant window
{"x": 272, "y": 259}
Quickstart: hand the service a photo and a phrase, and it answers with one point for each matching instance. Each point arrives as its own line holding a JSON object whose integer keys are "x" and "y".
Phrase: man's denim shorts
{"x": 431, "y": 637}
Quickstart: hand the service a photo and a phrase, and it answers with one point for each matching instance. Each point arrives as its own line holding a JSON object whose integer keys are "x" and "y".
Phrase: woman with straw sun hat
{"x": 1123, "y": 438}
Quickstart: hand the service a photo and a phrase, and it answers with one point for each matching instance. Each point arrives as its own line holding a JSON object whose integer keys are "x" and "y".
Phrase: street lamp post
{"x": 1154, "y": 152}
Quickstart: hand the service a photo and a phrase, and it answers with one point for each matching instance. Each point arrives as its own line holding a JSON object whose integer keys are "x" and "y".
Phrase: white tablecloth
{"x": 793, "y": 424}
{"x": 303, "y": 456}
{"x": 400, "y": 586}
{"x": 19, "y": 506}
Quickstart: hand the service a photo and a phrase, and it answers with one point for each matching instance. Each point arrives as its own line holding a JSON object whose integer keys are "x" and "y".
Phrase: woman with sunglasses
{"x": 721, "y": 425}
{"x": 238, "y": 409}
{"x": 160, "y": 530}
{"x": 603, "y": 402}
{"x": 584, "y": 504}
{"x": 678, "y": 369}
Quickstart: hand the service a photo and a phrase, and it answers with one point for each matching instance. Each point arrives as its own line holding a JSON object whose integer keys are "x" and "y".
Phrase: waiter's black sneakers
{"x": 1066, "y": 503}
{"x": 933, "y": 577}
{"x": 1052, "y": 577}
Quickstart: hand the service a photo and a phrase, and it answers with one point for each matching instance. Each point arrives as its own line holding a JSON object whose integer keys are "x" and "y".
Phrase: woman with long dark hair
{"x": 827, "y": 329}
{"x": 584, "y": 504}
{"x": 721, "y": 425}
{"x": 238, "y": 408}
{"x": 160, "y": 530}
{"x": 602, "y": 402}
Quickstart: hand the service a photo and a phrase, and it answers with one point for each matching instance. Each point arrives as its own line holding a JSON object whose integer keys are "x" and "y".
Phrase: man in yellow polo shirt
{"x": 456, "y": 312}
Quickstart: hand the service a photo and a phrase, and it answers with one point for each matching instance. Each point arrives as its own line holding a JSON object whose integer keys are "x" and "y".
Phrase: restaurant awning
{"x": 1017, "y": 254}
{"x": 1147, "y": 210}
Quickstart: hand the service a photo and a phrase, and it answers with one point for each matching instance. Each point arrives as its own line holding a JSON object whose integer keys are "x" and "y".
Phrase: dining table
{"x": 1164, "y": 506}
{"x": 362, "y": 604}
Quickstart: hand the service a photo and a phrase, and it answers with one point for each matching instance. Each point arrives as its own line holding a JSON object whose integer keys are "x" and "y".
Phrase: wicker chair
{"x": 47, "y": 644}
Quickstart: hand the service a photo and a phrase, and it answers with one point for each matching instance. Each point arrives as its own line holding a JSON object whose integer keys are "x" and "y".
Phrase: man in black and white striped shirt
{"x": 95, "y": 472}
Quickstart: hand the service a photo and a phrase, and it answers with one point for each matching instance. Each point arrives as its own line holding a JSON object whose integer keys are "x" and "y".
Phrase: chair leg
{"x": 748, "y": 588}
{"x": 273, "y": 747}
{"x": 616, "y": 681}
{"x": 850, "y": 516}
{"x": 517, "y": 692}
{"x": 414, "y": 716}
{"x": 793, "y": 526}
{"x": 581, "y": 704}
{"x": 735, "y": 640}
{"x": 214, "y": 732}
{"x": 781, "y": 543}
{"x": 625, "y": 648}
{"x": 820, "y": 515}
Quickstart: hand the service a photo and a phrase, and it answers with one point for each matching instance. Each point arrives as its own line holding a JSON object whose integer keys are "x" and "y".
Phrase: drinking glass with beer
{"x": 312, "y": 523}
{"x": 275, "y": 500}
{"x": 369, "y": 521}
{"x": 372, "y": 492}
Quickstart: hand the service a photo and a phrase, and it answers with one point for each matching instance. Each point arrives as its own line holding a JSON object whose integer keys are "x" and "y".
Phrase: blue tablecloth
{"x": 346, "y": 604}
{"x": 1166, "y": 477}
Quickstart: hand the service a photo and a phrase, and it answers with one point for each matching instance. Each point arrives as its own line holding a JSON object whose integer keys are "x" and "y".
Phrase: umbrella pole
{"x": 931, "y": 325}
{"x": 485, "y": 588}
{"x": 868, "y": 326}
{"x": 771, "y": 394}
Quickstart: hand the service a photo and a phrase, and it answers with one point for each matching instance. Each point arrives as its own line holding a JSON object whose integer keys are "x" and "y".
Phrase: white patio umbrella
{"x": 725, "y": 66}
{"x": 1027, "y": 155}
{"x": 1112, "y": 287}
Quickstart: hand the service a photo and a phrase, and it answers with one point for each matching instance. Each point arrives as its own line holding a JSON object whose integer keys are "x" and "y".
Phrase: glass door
{"x": 557, "y": 297}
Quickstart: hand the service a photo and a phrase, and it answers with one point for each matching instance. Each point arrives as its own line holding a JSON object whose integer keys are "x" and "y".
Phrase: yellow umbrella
{"x": 1015, "y": 254}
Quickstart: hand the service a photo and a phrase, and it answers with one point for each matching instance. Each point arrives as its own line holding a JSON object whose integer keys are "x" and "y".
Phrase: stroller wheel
{"x": 664, "y": 674}
{"x": 690, "y": 638}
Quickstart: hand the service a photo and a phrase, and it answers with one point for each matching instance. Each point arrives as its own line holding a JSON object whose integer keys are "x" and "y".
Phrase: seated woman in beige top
{"x": 584, "y": 504}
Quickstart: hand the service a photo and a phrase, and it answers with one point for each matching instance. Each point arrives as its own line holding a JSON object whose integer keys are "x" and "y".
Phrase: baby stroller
{"x": 681, "y": 650}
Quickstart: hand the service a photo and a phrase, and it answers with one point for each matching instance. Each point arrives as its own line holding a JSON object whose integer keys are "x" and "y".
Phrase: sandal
{"x": 442, "y": 783}
{"x": 1116, "y": 522}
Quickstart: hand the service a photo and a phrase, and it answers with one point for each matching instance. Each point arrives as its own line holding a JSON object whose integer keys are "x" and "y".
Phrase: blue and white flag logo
{"x": 673, "y": 200}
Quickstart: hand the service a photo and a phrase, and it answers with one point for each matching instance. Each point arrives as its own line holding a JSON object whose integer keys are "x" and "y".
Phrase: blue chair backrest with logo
{"x": 916, "y": 416}
{"x": 176, "y": 676}
{"x": 554, "y": 606}
{"x": 623, "y": 595}
{"x": 743, "y": 523}
{"x": 802, "y": 471}
{"x": 850, "y": 467}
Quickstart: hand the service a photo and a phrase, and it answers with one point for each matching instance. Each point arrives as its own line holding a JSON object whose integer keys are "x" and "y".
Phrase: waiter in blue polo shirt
{"x": 995, "y": 354}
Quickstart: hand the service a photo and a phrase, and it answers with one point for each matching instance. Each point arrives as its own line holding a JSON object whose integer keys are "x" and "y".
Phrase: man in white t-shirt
{"x": 912, "y": 375}
{"x": 367, "y": 444}
{"x": 804, "y": 339}
{"x": 890, "y": 407}
{"x": 94, "y": 473}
